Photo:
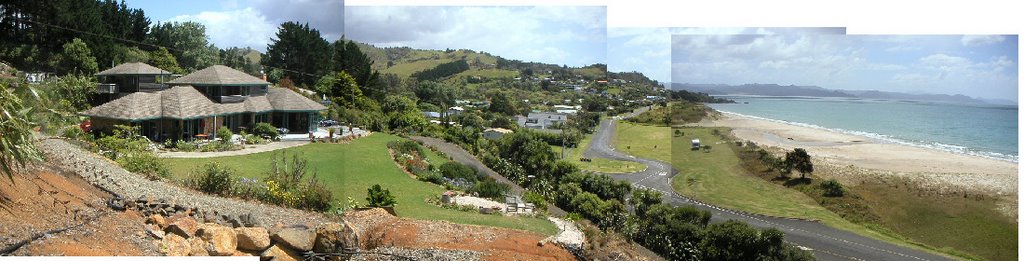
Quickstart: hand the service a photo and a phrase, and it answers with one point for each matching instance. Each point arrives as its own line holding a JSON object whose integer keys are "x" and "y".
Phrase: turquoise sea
{"x": 975, "y": 129}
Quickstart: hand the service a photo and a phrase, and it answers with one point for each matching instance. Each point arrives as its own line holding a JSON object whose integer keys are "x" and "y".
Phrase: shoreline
{"x": 936, "y": 167}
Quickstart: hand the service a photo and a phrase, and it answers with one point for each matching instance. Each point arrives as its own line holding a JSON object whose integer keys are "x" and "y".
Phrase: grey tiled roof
{"x": 218, "y": 75}
{"x": 132, "y": 68}
{"x": 185, "y": 102}
{"x": 287, "y": 100}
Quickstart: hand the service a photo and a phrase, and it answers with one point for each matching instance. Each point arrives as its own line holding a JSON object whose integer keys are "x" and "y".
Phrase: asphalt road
{"x": 826, "y": 243}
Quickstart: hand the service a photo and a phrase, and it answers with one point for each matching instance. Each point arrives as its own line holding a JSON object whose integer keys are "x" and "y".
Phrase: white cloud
{"x": 242, "y": 28}
{"x": 552, "y": 34}
{"x": 978, "y": 40}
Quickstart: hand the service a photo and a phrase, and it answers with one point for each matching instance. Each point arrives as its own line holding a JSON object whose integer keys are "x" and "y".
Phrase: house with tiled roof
{"x": 198, "y": 103}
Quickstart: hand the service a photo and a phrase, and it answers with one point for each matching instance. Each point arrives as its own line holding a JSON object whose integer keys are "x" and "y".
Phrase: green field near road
{"x": 717, "y": 177}
{"x": 349, "y": 169}
{"x": 597, "y": 164}
{"x": 643, "y": 141}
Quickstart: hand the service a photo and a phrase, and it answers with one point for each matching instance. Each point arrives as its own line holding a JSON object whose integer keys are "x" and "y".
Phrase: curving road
{"x": 826, "y": 243}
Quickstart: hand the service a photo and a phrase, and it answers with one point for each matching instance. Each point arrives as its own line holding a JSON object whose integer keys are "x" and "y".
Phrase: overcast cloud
{"x": 977, "y": 66}
{"x": 649, "y": 50}
{"x": 571, "y": 35}
{"x": 252, "y": 23}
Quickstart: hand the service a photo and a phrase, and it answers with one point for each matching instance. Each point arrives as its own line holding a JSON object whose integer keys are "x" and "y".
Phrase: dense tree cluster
{"x": 300, "y": 51}
{"x": 442, "y": 71}
{"x": 35, "y": 31}
{"x": 697, "y": 97}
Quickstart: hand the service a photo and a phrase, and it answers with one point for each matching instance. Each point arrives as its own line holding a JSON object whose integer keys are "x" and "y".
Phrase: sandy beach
{"x": 852, "y": 157}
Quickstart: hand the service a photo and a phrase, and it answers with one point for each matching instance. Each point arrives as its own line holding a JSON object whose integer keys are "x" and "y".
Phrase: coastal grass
{"x": 963, "y": 226}
{"x": 717, "y": 177}
{"x": 349, "y": 169}
{"x": 894, "y": 209}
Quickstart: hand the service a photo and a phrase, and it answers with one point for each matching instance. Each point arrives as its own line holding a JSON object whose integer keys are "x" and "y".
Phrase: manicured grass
{"x": 646, "y": 141}
{"x": 597, "y": 164}
{"x": 349, "y": 169}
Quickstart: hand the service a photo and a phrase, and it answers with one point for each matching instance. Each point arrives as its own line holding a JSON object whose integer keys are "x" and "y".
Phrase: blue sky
{"x": 982, "y": 66}
{"x": 569, "y": 35}
{"x": 649, "y": 49}
{"x": 249, "y": 23}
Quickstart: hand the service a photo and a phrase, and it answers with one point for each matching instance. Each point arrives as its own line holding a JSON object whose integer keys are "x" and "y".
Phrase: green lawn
{"x": 644, "y": 141}
{"x": 716, "y": 177}
{"x": 349, "y": 169}
{"x": 597, "y": 164}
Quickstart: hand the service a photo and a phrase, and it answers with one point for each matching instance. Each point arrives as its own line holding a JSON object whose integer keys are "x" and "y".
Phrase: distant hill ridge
{"x": 816, "y": 91}
{"x": 406, "y": 61}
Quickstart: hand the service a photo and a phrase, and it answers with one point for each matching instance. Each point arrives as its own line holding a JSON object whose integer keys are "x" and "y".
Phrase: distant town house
{"x": 197, "y": 104}
{"x": 495, "y": 133}
{"x": 542, "y": 120}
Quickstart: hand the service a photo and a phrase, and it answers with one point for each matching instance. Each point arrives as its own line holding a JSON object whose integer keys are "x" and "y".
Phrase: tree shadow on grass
{"x": 790, "y": 182}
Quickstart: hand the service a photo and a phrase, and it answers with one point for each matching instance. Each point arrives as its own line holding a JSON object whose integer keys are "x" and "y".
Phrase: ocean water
{"x": 982, "y": 130}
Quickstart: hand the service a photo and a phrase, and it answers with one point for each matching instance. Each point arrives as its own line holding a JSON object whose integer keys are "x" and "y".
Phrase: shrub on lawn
{"x": 379, "y": 197}
{"x": 224, "y": 134}
{"x": 491, "y": 189}
{"x": 186, "y": 146}
{"x": 315, "y": 196}
{"x": 432, "y": 177}
{"x": 265, "y": 130}
{"x": 455, "y": 170}
{"x": 832, "y": 188}
{"x": 212, "y": 178}
{"x": 144, "y": 163}
{"x": 406, "y": 146}
{"x": 537, "y": 200}
{"x": 125, "y": 140}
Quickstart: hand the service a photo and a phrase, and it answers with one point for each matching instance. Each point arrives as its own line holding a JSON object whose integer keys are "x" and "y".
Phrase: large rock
{"x": 218, "y": 240}
{"x": 183, "y": 226}
{"x": 335, "y": 237}
{"x": 252, "y": 238}
{"x": 198, "y": 246}
{"x": 278, "y": 253}
{"x": 157, "y": 220}
{"x": 299, "y": 238}
{"x": 174, "y": 245}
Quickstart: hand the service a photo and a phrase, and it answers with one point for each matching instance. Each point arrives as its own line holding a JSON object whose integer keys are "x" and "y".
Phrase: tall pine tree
{"x": 301, "y": 52}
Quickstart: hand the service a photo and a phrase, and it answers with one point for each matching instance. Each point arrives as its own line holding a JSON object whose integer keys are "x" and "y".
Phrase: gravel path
{"x": 478, "y": 202}
{"x": 568, "y": 235}
{"x": 398, "y": 253}
{"x": 106, "y": 174}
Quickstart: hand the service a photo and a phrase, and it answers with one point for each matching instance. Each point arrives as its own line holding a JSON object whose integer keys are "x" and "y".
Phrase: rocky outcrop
{"x": 296, "y": 237}
{"x": 174, "y": 245}
{"x": 252, "y": 238}
{"x": 279, "y": 253}
{"x": 218, "y": 240}
{"x": 335, "y": 238}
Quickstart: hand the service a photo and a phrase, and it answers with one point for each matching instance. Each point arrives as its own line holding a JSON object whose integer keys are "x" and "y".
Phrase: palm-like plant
{"x": 16, "y": 147}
